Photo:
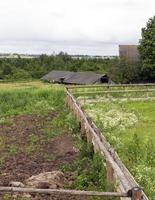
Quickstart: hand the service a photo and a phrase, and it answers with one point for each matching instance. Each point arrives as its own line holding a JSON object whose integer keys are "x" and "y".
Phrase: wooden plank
{"x": 103, "y": 100}
{"x": 113, "y": 91}
{"x": 109, "y": 86}
{"x": 61, "y": 192}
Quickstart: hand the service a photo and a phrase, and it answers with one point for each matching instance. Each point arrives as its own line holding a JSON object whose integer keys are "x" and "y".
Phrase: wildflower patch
{"x": 113, "y": 119}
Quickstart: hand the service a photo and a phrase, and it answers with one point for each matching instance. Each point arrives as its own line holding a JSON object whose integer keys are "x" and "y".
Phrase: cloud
{"x": 76, "y": 21}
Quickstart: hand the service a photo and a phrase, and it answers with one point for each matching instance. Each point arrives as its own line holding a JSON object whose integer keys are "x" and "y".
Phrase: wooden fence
{"x": 112, "y": 85}
{"x": 113, "y": 91}
{"x": 116, "y": 170}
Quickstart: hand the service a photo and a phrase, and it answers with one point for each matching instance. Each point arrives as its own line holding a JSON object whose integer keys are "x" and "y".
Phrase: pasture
{"x": 126, "y": 116}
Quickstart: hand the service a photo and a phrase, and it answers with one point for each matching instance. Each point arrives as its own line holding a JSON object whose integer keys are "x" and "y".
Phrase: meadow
{"x": 127, "y": 119}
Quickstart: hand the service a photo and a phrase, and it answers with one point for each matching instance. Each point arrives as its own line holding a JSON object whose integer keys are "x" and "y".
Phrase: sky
{"x": 92, "y": 27}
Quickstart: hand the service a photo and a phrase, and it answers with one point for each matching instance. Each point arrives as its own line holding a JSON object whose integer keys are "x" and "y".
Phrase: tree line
{"x": 120, "y": 70}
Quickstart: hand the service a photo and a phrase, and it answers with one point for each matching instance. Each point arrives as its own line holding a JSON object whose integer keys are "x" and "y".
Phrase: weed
{"x": 2, "y": 142}
{"x": 51, "y": 133}
{"x": 50, "y": 157}
{"x": 13, "y": 150}
{"x": 89, "y": 169}
{"x": 65, "y": 167}
{"x": 33, "y": 144}
{"x": 6, "y": 121}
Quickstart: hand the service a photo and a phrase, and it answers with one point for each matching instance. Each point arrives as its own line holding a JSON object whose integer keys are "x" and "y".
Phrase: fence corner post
{"x": 137, "y": 193}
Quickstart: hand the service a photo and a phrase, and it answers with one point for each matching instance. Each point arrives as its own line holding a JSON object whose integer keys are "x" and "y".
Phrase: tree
{"x": 20, "y": 74}
{"x": 7, "y": 70}
{"x": 124, "y": 71}
{"x": 147, "y": 50}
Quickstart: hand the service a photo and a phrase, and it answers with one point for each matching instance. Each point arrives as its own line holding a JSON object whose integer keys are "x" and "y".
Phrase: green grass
{"x": 145, "y": 112}
{"x": 145, "y": 128}
{"x": 28, "y": 98}
{"x": 130, "y": 128}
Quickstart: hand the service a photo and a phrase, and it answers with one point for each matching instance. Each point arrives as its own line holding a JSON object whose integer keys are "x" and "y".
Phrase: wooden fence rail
{"x": 116, "y": 170}
{"x": 113, "y": 91}
{"x": 110, "y": 86}
{"x": 61, "y": 192}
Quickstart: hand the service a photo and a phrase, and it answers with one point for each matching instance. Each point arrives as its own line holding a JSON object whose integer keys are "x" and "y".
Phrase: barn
{"x": 76, "y": 78}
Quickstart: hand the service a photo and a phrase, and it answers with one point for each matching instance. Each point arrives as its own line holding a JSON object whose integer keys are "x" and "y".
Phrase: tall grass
{"x": 22, "y": 100}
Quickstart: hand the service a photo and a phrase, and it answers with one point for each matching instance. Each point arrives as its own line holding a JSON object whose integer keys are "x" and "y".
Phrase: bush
{"x": 20, "y": 74}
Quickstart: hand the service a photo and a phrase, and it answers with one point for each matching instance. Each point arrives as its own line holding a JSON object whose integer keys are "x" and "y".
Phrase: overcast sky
{"x": 74, "y": 26}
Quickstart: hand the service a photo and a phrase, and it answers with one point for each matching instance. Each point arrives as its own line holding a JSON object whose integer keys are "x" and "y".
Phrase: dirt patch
{"x": 63, "y": 145}
{"x": 28, "y": 151}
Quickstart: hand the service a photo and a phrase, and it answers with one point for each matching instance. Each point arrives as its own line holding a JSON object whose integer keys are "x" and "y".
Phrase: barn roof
{"x": 73, "y": 77}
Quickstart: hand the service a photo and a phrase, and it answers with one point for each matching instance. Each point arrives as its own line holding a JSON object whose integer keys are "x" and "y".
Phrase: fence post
{"x": 83, "y": 130}
{"x": 110, "y": 175}
{"x": 137, "y": 193}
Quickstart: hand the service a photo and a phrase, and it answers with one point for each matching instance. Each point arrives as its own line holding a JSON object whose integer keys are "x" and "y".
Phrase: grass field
{"x": 128, "y": 122}
{"x": 39, "y": 134}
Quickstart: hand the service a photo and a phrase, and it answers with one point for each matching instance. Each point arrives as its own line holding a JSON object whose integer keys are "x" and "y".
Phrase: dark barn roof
{"x": 80, "y": 78}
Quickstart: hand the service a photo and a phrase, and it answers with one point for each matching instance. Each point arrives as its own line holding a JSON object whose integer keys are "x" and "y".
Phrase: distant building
{"x": 129, "y": 51}
{"x": 14, "y": 55}
{"x": 77, "y": 78}
{"x": 91, "y": 57}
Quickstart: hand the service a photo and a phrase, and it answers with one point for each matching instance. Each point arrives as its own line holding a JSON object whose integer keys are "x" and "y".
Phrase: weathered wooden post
{"x": 137, "y": 193}
{"x": 83, "y": 130}
{"x": 110, "y": 173}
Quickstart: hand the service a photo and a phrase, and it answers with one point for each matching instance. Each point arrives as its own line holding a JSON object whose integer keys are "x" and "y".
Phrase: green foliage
{"x": 65, "y": 167}
{"x": 140, "y": 159}
{"x": 13, "y": 150}
{"x": 23, "y": 69}
{"x": 147, "y": 50}
{"x": 134, "y": 150}
{"x": 90, "y": 170}
{"x": 30, "y": 100}
{"x": 33, "y": 144}
{"x": 7, "y": 70}
{"x": 19, "y": 74}
{"x": 119, "y": 70}
{"x": 125, "y": 71}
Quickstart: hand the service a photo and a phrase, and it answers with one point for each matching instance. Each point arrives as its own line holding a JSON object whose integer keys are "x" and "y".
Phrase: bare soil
{"x": 25, "y": 155}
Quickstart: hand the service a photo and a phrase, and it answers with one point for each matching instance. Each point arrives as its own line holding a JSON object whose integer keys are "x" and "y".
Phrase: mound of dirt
{"x": 52, "y": 180}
